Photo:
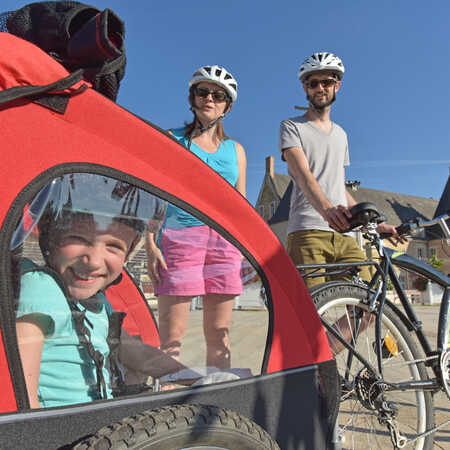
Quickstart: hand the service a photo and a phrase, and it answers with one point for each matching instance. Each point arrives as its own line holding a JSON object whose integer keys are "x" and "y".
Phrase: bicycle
{"x": 386, "y": 391}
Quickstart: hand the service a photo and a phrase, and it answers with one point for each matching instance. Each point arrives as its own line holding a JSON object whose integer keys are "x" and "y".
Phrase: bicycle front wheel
{"x": 361, "y": 420}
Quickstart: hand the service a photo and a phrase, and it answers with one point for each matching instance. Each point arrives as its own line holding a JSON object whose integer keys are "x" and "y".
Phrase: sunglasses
{"x": 218, "y": 96}
{"x": 326, "y": 83}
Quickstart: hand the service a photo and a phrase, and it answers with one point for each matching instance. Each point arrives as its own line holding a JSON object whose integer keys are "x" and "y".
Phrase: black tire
{"x": 338, "y": 304}
{"x": 182, "y": 427}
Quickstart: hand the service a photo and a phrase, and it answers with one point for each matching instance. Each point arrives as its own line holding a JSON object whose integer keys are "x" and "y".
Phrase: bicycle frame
{"x": 376, "y": 303}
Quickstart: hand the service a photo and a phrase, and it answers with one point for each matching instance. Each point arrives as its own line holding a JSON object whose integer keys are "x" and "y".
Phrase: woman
{"x": 194, "y": 260}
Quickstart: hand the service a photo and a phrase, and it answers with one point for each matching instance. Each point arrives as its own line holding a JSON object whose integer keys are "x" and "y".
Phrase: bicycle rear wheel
{"x": 340, "y": 305}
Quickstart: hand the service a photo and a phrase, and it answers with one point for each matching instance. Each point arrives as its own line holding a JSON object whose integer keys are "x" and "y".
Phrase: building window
{"x": 432, "y": 252}
{"x": 420, "y": 234}
{"x": 261, "y": 210}
{"x": 420, "y": 252}
{"x": 273, "y": 207}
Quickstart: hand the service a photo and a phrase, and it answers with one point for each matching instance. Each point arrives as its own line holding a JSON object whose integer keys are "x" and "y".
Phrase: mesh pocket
{"x": 3, "y": 18}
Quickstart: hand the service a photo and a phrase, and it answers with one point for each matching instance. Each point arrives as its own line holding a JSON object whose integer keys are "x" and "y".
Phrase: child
{"x": 89, "y": 226}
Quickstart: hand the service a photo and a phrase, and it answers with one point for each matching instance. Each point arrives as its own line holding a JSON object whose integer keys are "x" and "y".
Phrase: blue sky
{"x": 394, "y": 101}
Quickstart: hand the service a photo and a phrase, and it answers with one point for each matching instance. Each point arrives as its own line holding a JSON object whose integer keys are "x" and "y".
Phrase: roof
{"x": 282, "y": 212}
{"x": 396, "y": 207}
{"x": 281, "y": 183}
{"x": 444, "y": 203}
{"x": 443, "y": 207}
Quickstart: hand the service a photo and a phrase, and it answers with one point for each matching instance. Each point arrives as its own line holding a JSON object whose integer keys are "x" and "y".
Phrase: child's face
{"x": 87, "y": 259}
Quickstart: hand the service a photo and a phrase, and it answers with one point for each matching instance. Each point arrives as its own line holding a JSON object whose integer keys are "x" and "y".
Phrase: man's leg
{"x": 310, "y": 247}
{"x": 348, "y": 250}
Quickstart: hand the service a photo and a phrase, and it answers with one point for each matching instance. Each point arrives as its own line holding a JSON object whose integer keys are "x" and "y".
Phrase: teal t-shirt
{"x": 67, "y": 373}
{"x": 223, "y": 161}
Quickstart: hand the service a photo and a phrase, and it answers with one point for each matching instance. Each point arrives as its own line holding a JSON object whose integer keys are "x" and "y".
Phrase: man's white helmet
{"x": 217, "y": 75}
{"x": 321, "y": 61}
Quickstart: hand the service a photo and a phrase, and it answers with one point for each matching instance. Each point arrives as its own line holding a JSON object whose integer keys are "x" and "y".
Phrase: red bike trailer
{"x": 294, "y": 398}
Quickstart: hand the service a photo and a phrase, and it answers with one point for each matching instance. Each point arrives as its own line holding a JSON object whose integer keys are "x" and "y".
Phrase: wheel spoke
{"x": 363, "y": 394}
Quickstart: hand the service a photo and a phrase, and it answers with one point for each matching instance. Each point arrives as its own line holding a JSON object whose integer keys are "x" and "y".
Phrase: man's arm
{"x": 350, "y": 200}
{"x": 335, "y": 215}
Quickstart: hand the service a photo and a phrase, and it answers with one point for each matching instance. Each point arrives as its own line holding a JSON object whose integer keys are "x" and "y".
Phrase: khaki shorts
{"x": 324, "y": 247}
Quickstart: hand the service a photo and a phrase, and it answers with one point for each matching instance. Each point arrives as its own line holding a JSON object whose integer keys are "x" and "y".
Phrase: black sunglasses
{"x": 326, "y": 83}
{"x": 218, "y": 96}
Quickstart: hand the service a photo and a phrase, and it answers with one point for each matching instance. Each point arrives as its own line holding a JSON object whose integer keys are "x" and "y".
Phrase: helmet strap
{"x": 199, "y": 126}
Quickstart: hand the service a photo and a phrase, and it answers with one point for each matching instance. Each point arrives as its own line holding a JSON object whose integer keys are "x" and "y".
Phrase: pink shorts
{"x": 199, "y": 261}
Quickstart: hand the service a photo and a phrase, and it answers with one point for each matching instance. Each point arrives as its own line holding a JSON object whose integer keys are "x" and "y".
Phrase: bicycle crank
{"x": 367, "y": 388}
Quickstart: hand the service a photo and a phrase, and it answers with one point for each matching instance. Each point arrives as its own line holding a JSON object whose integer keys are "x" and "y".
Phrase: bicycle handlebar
{"x": 409, "y": 227}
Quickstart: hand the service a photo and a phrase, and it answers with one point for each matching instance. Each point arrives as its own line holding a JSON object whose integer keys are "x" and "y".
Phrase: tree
{"x": 434, "y": 261}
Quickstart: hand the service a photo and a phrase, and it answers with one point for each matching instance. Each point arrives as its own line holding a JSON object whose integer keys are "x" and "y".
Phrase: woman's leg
{"x": 173, "y": 314}
{"x": 217, "y": 311}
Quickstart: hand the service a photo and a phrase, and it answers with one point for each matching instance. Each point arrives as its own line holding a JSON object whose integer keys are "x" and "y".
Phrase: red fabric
{"x": 97, "y": 131}
{"x": 126, "y": 298}
{"x": 23, "y": 64}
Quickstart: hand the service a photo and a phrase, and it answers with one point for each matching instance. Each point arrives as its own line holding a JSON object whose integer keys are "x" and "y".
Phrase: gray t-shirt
{"x": 327, "y": 154}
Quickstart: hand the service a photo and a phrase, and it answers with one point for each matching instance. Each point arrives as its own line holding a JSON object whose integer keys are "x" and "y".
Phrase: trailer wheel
{"x": 182, "y": 427}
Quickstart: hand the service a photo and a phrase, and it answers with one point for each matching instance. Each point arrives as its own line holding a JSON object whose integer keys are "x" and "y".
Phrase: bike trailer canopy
{"x": 293, "y": 395}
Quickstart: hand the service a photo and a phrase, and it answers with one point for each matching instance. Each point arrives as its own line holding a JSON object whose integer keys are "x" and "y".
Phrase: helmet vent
{"x": 218, "y": 75}
{"x": 321, "y": 61}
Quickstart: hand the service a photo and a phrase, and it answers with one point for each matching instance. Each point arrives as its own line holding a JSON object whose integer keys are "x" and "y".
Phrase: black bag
{"x": 78, "y": 36}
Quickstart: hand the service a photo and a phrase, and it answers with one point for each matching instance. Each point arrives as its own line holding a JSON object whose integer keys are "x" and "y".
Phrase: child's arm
{"x": 136, "y": 355}
{"x": 30, "y": 339}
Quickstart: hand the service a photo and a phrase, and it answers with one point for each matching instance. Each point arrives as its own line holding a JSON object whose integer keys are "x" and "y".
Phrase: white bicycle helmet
{"x": 218, "y": 75}
{"x": 321, "y": 61}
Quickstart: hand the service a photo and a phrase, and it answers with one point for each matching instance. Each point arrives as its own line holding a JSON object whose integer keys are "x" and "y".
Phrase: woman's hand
{"x": 154, "y": 260}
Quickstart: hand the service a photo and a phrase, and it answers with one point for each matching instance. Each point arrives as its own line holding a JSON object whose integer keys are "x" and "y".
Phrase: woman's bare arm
{"x": 242, "y": 167}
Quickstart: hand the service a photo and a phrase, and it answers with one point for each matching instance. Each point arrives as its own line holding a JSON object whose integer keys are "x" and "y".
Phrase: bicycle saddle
{"x": 363, "y": 213}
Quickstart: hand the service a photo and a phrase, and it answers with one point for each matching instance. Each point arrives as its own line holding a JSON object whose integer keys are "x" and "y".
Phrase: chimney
{"x": 269, "y": 166}
{"x": 353, "y": 185}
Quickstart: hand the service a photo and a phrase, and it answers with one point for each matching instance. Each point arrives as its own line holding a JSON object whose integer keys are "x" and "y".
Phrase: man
{"x": 316, "y": 151}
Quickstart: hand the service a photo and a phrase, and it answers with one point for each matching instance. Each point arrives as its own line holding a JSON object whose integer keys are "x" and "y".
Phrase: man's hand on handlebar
{"x": 337, "y": 217}
{"x": 394, "y": 238}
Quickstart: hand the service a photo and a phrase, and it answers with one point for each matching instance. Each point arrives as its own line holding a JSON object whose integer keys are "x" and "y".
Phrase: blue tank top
{"x": 223, "y": 161}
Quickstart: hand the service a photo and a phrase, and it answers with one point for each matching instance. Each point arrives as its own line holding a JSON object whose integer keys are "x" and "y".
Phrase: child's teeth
{"x": 84, "y": 277}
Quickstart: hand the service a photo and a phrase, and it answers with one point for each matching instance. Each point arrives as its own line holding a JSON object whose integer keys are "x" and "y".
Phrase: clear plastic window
{"x": 87, "y": 329}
